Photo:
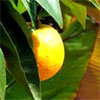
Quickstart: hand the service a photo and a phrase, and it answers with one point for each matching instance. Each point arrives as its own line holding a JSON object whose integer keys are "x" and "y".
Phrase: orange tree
{"x": 77, "y": 23}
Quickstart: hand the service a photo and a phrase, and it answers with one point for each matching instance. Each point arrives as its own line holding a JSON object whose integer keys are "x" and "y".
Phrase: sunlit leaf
{"x": 2, "y": 76}
{"x": 53, "y": 8}
{"x": 19, "y": 7}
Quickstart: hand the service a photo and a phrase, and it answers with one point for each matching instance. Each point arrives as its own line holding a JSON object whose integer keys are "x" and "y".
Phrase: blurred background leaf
{"x": 19, "y": 6}
{"x": 78, "y": 10}
{"x": 92, "y": 11}
{"x": 53, "y": 8}
{"x": 2, "y": 76}
{"x": 73, "y": 29}
{"x": 67, "y": 16}
{"x": 64, "y": 85}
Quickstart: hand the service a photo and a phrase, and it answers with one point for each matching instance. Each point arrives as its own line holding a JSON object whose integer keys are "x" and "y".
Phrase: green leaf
{"x": 95, "y": 3}
{"x": 20, "y": 6}
{"x": 23, "y": 61}
{"x": 64, "y": 85}
{"x": 21, "y": 22}
{"x": 78, "y": 10}
{"x": 6, "y": 43}
{"x": 53, "y": 8}
{"x": 42, "y": 14}
{"x": 9, "y": 79}
{"x": 14, "y": 60}
{"x": 66, "y": 16}
{"x": 2, "y": 76}
{"x": 73, "y": 29}
{"x": 30, "y": 5}
{"x": 17, "y": 92}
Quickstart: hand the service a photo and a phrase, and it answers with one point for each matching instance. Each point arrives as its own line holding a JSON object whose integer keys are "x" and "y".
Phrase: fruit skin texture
{"x": 49, "y": 51}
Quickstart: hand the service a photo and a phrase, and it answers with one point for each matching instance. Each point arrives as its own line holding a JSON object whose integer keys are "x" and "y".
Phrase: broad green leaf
{"x": 8, "y": 46}
{"x": 2, "y": 76}
{"x": 64, "y": 85}
{"x": 14, "y": 60}
{"x": 95, "y": 3}
{"x": 19, "y": 7}
{"x": 29, "y": 76}
{"x": 78, "y": 10}
{"x": 17, "y": 92}
{"x": 53, "y": 8}
{"x": 30, "y": 6}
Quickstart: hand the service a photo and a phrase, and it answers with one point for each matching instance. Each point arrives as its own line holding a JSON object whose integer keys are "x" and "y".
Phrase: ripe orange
{"x": 49, "y": 51}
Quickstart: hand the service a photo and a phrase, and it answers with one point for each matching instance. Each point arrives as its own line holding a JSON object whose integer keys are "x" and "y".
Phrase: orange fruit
{"x": 49, "y": 51}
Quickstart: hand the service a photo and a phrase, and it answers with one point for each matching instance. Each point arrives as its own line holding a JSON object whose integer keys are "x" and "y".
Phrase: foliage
{"x": 2, "y": 76}
{"x": 20, "y": 79}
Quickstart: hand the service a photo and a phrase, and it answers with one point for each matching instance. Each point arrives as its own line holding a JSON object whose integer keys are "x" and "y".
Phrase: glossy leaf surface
{"x": 53, "y": 8}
